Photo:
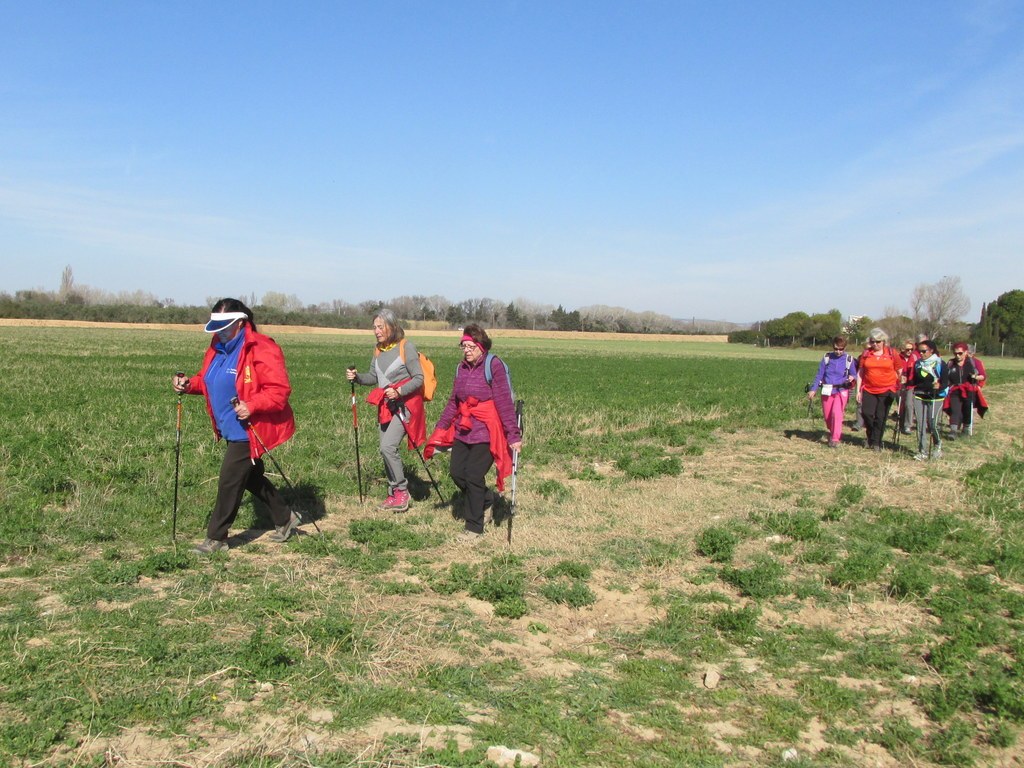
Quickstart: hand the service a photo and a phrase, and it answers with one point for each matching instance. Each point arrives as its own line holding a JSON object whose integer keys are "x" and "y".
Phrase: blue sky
{"x": 724, "y": 160}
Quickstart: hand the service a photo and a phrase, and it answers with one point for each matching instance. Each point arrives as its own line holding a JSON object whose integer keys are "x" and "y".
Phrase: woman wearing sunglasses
{"x": 930, "y": 381}
{"x": 878, "y": 380}
{"x": 964, "y": 392}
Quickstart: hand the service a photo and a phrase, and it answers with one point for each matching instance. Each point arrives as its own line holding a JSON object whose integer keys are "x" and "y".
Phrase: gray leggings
{"x": 391, "y": 436}
{"x": 927, "y": 413}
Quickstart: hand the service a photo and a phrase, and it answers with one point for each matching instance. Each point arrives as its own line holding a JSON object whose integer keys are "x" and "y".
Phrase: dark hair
{"x": 478, "y": 335}
{"x": 931, "y": 345}
{"x": 234, "y": 305}
{"x": 839, "y": 341}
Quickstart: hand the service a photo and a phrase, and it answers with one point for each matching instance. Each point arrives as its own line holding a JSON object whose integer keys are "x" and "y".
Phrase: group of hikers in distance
{"x": 245, "y": 383}
{"x": 914, "y": 377}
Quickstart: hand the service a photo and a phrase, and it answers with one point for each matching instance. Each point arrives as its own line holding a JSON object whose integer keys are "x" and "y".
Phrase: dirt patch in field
{"x": 507, "y": 333}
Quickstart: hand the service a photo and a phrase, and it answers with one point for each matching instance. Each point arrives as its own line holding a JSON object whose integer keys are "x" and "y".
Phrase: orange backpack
{"x": 429, "y": 377}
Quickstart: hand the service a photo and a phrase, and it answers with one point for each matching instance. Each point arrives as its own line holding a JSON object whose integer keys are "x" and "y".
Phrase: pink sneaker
{"x": 397, "y": 501}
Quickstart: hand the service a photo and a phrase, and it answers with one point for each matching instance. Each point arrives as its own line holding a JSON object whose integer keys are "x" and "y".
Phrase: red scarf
{"x": 485, "y": 412}
{"x": 415, "y": 422}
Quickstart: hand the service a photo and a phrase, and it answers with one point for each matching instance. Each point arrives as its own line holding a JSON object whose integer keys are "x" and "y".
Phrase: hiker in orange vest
{"x": 397, "y": 378}
{"x": 878, "y": 381}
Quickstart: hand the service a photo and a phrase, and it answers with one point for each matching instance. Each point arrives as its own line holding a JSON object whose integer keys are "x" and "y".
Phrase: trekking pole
{"x": 177, "y": 465}
{"x": 396, "y": 409}
{"x": 248, "y": 425}
{"x": 899, "y": 418}
{"x": 355, "y": 430}
{"x": 515, "y": 472}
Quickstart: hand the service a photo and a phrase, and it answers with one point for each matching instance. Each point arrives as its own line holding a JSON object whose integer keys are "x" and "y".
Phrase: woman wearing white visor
{"x": 245, "y": 382}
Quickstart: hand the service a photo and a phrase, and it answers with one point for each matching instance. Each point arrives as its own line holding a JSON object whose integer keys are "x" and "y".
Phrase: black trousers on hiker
{"x": 876, "y": 410}
{"x": 238, "y": 474}
{"x": 469, "y": 465}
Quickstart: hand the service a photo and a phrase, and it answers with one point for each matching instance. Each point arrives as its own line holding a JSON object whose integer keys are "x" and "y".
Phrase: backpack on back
{"x": 429, "y": 375}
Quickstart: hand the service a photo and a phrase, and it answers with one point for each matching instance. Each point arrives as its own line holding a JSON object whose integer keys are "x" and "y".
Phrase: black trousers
{"x": 876, "y": 411}
{"x": 468, "y": 466}
{"x": 961, "y": 409}
{"x": 238, "y": 474}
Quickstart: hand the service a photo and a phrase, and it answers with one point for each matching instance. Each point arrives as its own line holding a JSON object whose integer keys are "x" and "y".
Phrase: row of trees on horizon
{"x": 73, "y": 301}
{"x": 935, "y": 309}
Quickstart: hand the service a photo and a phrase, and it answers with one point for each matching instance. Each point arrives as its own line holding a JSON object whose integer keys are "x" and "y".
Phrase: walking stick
{"x": 899, "y": 418}
{"x": 248, "y": 425}
{"x": 177, "y": 465}
{"x": 515, "y": 471}
{"x": 355, "y": 430}
{"x": 396, "y": 409}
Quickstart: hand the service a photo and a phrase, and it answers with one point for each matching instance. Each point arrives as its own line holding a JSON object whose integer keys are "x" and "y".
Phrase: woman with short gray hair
{"x": 878, "y": 380}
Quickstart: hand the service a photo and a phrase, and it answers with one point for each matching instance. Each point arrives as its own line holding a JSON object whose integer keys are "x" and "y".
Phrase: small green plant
{"x": 502, "y": 583}
{"x": 851, "y": 493}
{"x": 864, "y": 562}
{"x": 760, "y": 580}
{"x": 552, "y": 490}
{"x": 572, "y": 570}
{"x": 717, "y": 543}
{"x": 911, "y": 578}
{"x": 571, "y": 592}
{"x": 740, "y": 623}
{"x": 384, "y": 535}
{"x": 648, "y": 464}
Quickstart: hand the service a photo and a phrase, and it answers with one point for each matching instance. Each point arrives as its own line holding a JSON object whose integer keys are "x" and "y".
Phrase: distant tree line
{"x": 934, "y": 310}
{"x": 77, "y": 302}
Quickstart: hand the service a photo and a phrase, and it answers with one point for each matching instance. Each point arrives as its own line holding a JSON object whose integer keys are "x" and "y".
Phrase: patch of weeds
{"x": 686, "y": 632}
{"x": 639, "y": 681}
{"x": 705, "y": 575}
{"x": 918, "y": 534}
{"x": 761, "y": 580}
{"x": 851, "y": 493}
{"x": 711, "y": 596}
{"x": 383, "y": 535}
{"x": 588, "y": 474}
{"x": 336, "y": 632}
{"x": 800, "y": 525}
{"x": 503, "y": 584}
{"x": 844, "y": 737}
{"x": 774, "y": 718}
{"x": 367, "y": 560}
{"x": 552, "y": 490}
{"x": 819, "y": 552}
{"x": 571, "y": 592}
{"x": 739, "y": 624}
{"x": 264, "y": 656}
{"x": 633, "y": 554}
{"x": 647, "y": 462}
{"x": 400, "y": 588}
{"x": 953, "y": 745}
{"x": 1000, "y": 735}
{"x": 899, "y": 737}
{"x": 718, "y": 544}
{"x": 572, "y": 570}
{"x": 833, "y": 513}
{"x": 458, "y": 577}
{"x": 827, "y": 698}
{"x": 911, "y": 578}
{"x": 794, "y": 645}
{"x": 864, "y": 563}
{"x": 805, "y": 589}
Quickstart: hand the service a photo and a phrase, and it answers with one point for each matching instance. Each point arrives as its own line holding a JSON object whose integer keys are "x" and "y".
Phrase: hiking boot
{"x": 209, "y": 546}
{"x": 937, "y": 453}
{"x": 469, "y": 538}
{"x": 921, "y": 457}
{"x": 397, "y": 501}
{"x": 283, "y": 532}
{"x": 906, "y": 430}
{"x": 833, "y": 443}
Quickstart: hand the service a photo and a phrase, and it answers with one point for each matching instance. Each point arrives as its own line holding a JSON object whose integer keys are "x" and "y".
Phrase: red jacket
{"x": 262, "y": 384}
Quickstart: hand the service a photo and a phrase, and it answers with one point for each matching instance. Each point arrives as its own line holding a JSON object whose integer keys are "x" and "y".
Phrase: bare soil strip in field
{"x": 508, "y": 333}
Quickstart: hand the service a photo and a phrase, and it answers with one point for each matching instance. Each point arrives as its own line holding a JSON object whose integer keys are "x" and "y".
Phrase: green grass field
{"x": 693, "y": 580}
